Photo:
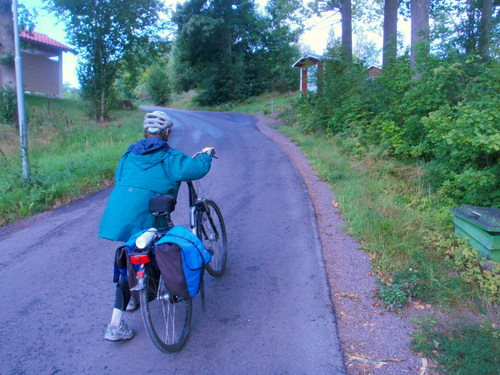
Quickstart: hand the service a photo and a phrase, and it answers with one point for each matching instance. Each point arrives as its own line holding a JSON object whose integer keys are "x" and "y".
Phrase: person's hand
{"x": 209, "y": 150}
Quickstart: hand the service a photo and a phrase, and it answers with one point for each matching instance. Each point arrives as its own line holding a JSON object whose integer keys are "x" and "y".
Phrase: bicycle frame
{"x": 206, "y": 222}
{"x": 196, "y": 206}
{"x": 193, "y": 198}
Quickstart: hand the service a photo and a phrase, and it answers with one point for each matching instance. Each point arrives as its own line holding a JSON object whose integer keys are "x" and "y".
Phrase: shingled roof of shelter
{"x": 33, "y": 36}
{"x": 308, "y": 59}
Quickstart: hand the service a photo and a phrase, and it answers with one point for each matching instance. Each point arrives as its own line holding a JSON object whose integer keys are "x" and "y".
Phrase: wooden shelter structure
{"x": 304, "y": 63}
{"x": 42, "y": 63}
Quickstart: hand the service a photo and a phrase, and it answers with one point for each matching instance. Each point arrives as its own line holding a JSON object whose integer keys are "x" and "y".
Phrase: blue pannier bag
{"x": 181, "y": 257}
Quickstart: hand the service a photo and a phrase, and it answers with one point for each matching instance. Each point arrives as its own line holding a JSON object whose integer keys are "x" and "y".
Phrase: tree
{"x": 346, "y": 12}
{"x": 7, "y": 67}
{"x": 105, "y": 32}
{"x": 390, "y": 31}
{"x": 284, "y": 25}
{"x": 469, "y": 26}
{"x": 141, "y": 58}
{"x": 228, "y": 51}
{"x": 211, "y": 42}
{"x": 419, "y": 30}
{"x": 345, "y": 9}
{"x": 485, "y": 28}
{"x": 157, "y": 84}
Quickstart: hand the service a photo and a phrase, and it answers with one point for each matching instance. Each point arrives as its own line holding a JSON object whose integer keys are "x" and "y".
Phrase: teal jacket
{"x": 148, "y": 168}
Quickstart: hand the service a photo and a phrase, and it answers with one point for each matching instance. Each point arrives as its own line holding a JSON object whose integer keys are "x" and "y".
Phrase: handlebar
{"x": 212, "y": 154}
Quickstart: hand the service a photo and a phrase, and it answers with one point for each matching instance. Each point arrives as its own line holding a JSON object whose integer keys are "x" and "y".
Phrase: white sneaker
{"x": 132, "y": 304}
{"x": 123, "y": 332}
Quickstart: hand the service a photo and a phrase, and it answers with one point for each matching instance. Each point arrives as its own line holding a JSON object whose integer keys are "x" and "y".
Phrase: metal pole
{"x": 21, "y": 112}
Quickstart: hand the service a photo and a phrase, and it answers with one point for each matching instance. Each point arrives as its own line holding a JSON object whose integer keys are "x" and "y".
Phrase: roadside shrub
{"x": 157, "y": 84}
{"x": 398, "y": 291}
{"x": 448, "y": 119}
{"x": 97, "y": 90}
{"x": 464, "y": 141}
{"x": 8, "y": 103}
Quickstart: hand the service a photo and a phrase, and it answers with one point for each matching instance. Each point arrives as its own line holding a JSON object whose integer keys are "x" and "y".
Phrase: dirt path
{"x": 373, "y": 340}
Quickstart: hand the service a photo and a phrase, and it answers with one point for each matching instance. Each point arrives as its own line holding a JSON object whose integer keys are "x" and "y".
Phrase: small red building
{"x": 304, "y": 63}
{"x": 308, "y": 61}
{"x": 373, "y": 71}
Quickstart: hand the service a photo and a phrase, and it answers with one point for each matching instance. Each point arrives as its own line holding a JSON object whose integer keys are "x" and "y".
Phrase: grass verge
{"x": 69, "y": 156}
{"x": 407, "y": 231}
{"x": 460, "y": 347}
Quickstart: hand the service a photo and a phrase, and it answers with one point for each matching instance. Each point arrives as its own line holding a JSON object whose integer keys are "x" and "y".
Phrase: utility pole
{"x": 21, "y": 111}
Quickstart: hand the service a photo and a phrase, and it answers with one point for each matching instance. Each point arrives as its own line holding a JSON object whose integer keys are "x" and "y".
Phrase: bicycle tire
{"x": 167, "y": 318}
{"x": 214, "y": 240}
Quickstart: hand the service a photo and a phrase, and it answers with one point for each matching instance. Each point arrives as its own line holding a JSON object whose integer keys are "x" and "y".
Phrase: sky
{"x": 316, "y": 37}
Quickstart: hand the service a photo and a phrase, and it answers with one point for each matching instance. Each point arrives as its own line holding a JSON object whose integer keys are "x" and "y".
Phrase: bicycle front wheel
{"x": 212, "y": 231}
{"x": 167, "y": 318}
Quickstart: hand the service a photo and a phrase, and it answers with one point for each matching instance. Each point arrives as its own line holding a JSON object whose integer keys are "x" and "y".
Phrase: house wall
{"x": 41, "y": 74}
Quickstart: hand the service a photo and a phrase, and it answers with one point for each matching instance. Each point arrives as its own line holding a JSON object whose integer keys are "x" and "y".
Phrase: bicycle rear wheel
{"x": 212, "y": 231}
{"x": 167, "y": 318}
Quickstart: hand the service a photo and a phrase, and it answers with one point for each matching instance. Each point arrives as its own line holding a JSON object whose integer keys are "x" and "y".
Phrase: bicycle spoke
{"x": 166, "y": 319}
{"x": 212, "y": 232}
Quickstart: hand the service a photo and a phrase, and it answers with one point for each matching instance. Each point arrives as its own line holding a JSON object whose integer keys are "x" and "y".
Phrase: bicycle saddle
{"x": 162, "y": 205}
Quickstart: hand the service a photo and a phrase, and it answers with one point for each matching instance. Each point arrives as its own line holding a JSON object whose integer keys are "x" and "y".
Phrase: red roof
{"x": 33, "y": 36}
{"x": 374, "y": 71}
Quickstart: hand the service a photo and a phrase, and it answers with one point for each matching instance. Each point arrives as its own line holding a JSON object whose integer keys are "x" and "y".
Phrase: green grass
{"x": 389, "y": 209}
{"x": 460, "y": 347}
{"x": 69, "y": 156}
{"x": 183, "y": 100}
{"x": 264, "y": 104}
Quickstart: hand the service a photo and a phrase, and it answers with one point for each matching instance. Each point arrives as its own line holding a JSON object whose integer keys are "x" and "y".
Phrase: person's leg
{"x": 122, "y": 297}
{"x": 117, "y": 328}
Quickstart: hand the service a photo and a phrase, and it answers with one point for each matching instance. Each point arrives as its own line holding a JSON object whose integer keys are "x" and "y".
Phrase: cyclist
{"x": 148, "y": 168}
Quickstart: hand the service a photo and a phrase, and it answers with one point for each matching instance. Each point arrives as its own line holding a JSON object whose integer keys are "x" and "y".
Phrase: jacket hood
{"x": 147, "y": 146}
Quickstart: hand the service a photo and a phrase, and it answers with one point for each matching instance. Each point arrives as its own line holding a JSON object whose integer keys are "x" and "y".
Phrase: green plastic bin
{"x": 481, "y": 225}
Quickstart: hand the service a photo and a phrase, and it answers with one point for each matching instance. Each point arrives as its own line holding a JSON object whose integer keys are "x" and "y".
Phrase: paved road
{"x": 269, "y": 314}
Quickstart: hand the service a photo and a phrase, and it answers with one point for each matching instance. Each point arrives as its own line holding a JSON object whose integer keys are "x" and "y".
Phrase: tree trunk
{"x": 419, "y": 31}
{"x": 7, "y": 66}
{"x": 390, "y": 31}
{"x": 346, "y": 12}
{"x": 485, "y": 28}
{"x": 103, "y": 105}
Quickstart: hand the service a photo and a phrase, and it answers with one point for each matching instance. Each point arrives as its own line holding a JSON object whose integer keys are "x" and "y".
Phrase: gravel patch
{"x": 373, "y": 340}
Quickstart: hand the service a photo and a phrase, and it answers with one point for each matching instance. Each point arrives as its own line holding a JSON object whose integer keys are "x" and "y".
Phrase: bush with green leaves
{"x": 464, "y": 141}
{"x": 8, "y": 103}
{"x": 401, "y": 289}
{"x": 157, "y": 84}
{"x": 448, "y": 119}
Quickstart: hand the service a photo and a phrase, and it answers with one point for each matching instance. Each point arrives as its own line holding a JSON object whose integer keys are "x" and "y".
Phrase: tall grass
{"x": 69, "y": 156}
{"x": 400, "y": 224}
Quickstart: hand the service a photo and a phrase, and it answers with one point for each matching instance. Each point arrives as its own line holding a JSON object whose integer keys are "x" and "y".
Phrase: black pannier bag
{"x": 181, "y": 257}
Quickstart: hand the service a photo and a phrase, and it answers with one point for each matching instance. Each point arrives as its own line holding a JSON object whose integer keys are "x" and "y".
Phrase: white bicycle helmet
{"x": 157, "y": 122}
